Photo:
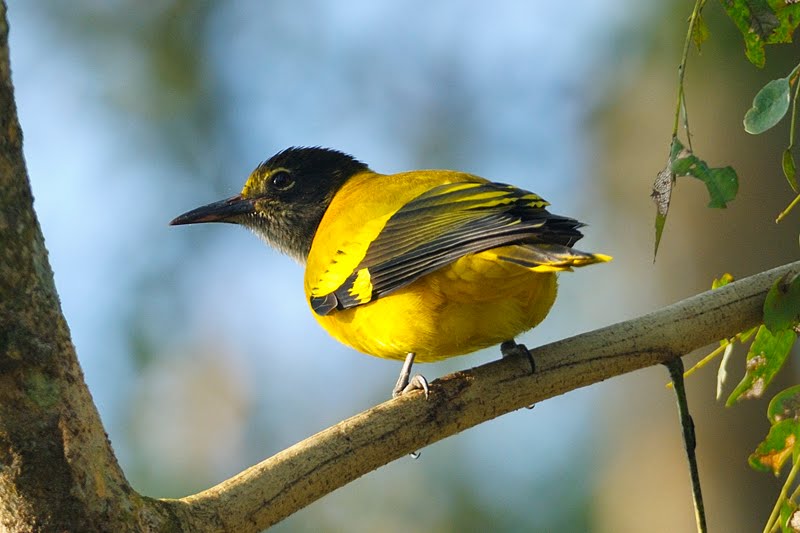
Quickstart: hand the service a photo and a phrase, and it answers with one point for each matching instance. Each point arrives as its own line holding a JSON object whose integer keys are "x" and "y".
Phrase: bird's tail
{"x": 549, "y": 257}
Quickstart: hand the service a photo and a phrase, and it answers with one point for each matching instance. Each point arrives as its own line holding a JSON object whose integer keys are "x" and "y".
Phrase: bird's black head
{"x": 284, "y": 198}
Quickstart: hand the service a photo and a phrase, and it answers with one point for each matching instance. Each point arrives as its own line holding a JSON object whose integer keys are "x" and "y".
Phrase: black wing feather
{"x": 444, "y": 224}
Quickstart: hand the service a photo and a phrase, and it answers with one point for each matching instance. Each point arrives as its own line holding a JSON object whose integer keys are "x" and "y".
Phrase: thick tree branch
{"x": 279, "y": 486}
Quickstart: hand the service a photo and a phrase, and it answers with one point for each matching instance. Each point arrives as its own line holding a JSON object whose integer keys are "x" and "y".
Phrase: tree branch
{"x": 281, "y": 485}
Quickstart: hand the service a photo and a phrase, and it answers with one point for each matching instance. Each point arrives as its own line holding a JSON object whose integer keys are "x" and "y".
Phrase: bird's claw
{"x": 406, "y": 383}
{"x": 512, "y": 349}
{"x": 417, "y": 382}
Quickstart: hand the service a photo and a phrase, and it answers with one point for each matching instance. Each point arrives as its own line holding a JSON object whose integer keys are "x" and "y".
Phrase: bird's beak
{"x": 222, "y": 211}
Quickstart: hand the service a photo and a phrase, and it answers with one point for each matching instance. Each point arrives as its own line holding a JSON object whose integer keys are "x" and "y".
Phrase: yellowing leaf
{"x": 772, "y": 453}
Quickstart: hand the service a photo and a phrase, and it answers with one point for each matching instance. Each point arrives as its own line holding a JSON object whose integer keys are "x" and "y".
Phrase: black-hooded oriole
{"x": 424, "y": 265}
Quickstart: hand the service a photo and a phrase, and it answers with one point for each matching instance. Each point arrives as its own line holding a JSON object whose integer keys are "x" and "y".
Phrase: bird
{"x": 415, "y": 266}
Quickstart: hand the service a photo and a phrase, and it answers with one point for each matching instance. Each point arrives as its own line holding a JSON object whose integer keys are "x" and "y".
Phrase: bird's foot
{"x": 407, "y": 383}
{"x": 512, "y": 349}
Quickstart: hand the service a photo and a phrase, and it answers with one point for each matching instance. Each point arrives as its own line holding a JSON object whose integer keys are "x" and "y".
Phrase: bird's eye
{"x": 282, "y": 180}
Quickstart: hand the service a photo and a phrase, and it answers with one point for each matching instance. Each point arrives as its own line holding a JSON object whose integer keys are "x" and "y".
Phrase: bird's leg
{"x": 512, "y": 349}
{"x": 406, "y": 383}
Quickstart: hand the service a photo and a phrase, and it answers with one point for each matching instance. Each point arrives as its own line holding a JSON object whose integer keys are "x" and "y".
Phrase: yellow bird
{"x": 420, "y": 265}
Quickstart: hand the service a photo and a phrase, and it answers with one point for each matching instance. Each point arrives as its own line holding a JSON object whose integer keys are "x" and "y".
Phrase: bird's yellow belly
{"x": 473, "y": 303}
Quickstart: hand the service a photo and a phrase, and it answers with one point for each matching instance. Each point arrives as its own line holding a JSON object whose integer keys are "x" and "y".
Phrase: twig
{"x": 698, "y": 7}
{"x": 675, "y": 367}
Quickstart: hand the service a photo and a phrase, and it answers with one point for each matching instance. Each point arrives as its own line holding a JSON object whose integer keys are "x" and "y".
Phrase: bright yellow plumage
{"x": 474, "y": 303}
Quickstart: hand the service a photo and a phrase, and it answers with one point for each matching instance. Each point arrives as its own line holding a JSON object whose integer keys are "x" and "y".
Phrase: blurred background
{"x": 196, "y": 342}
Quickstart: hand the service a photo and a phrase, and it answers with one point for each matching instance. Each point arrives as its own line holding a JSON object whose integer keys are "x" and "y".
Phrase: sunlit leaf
{"x": 772, "y": 453}
{"x": 769, "y": 106}
{"x": 782, "y": 305}
{"x": 721, "y": 281}
{"x": 767, "y": 355}
{"x": 789, "y": 168}
{"x": 785, "y": 405}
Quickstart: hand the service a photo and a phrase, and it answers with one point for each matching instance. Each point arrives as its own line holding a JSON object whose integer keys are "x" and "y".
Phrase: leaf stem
{"x": 739, "y": 337}
{"x": 788, "y": 209}
{"x": 698, "y": 7}
{"x": 792, "y": 179}
{"x": 793, "y": 76}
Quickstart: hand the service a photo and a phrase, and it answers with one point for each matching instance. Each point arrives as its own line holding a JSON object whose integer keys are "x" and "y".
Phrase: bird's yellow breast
{"x": 475, "y": 302}
{"x": 471, "y": 304}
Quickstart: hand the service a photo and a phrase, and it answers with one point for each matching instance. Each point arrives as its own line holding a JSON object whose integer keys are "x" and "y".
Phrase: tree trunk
{"x": 57, "y": 470}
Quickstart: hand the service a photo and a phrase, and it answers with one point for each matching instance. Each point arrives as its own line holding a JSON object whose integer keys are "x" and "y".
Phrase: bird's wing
{"x": 446, "y": 223}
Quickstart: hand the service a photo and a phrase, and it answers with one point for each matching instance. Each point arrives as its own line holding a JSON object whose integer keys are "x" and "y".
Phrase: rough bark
{"x": 57, "y": 469}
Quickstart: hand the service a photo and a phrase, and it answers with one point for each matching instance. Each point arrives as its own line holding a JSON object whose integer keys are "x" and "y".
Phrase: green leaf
{"x": 782, "y": 305}
{"x": 767, "y": 355}
{"x": 660, "y": 221}
{"x": 681, "y": 158}
{"x": 788, "y": 14}
{"x": 769, "y": 106}
{"x": 722, "y": 183}
{"x": 785, "y": 405}
{"x": 700, "y": 31}
{"x": 772, "y": 453}
{"x": 763, "y": 22}
{"x": 788, "y": 510}
{"x": 789, "y": 168}
{"x": 739, "y": 12}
